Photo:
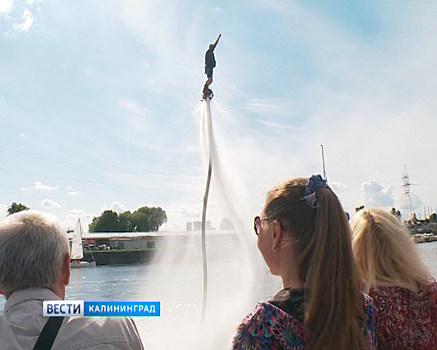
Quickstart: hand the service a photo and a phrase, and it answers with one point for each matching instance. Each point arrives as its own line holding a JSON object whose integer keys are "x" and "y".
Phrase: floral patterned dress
{"x": 406, "y": 320}
{"x": 270, "y": 327}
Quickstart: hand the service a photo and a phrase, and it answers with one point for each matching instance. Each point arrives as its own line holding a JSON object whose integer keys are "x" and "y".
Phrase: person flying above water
{"x": 210, "y": 64}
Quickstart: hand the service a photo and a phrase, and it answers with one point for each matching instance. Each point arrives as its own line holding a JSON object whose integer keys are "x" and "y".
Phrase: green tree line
{"x": 143, "y": 219}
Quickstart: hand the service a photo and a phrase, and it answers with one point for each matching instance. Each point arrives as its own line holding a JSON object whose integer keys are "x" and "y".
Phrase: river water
{"x": 179, "y": 288}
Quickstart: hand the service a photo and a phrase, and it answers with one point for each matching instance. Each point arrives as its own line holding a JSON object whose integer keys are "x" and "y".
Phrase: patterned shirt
{"x": 270, "y": 327}
{"x": 406, "y": 320}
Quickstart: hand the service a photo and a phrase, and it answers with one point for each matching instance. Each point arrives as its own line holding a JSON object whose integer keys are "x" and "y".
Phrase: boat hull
{"x": 82, "y": 264}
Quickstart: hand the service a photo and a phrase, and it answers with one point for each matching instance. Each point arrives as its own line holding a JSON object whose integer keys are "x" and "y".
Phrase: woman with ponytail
{"x": 304, "y": 237}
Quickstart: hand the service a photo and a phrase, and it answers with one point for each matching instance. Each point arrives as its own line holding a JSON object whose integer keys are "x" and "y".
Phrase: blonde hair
{"x": 334, "y": 310}
{"x": 384, "y": 251}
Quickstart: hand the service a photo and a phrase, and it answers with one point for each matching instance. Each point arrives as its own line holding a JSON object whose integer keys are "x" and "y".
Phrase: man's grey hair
{"x": 32, "y": 250}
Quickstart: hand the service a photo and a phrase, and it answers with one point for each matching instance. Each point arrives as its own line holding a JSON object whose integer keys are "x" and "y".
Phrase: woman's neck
{"x": 292, "y": 282}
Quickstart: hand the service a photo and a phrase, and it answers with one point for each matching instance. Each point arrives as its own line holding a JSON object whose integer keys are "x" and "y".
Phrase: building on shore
{"x": 143, "y": 247}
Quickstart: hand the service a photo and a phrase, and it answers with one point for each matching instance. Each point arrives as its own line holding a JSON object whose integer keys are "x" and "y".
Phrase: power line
{"x": 106, "y": 166}
{"x": 39, "y": 175}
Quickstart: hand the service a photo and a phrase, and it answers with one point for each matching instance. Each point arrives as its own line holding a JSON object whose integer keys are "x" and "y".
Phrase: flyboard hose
{"x": 205, "y": 267}
{"x": 205, "y": 204}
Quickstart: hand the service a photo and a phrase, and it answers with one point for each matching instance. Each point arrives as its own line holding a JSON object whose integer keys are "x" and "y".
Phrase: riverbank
{"x": 219, "y": 247}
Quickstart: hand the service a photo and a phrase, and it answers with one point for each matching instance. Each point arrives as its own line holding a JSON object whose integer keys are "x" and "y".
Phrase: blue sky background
{"x": 98, "y": 101}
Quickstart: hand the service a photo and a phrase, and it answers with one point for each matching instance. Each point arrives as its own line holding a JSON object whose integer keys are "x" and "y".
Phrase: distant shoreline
{"x": 424, "y": 238}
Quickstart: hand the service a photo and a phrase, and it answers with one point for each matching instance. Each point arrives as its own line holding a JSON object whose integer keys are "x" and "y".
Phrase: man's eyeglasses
{"x": 257, "y": 223}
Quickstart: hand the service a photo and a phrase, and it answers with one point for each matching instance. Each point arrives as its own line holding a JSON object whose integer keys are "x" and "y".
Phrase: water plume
{"x": 232, "y": 258}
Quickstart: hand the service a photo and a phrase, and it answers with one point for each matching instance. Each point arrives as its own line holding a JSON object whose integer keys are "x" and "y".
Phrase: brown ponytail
{"x": 333, "y": 303}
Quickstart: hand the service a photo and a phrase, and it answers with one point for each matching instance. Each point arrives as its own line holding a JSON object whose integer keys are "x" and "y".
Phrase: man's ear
{"x": 65, "y": 272}
{"x": 277, "y": 233}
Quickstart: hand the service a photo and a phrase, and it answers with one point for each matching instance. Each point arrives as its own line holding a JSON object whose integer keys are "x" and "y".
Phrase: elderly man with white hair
{"x": 35, "y": 266}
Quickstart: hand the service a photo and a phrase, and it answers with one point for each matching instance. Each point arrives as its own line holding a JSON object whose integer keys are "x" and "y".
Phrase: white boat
{"x": 76, "y": 253}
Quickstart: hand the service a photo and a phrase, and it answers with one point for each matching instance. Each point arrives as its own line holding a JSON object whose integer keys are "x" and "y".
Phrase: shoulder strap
{"x": 48, "y": 334}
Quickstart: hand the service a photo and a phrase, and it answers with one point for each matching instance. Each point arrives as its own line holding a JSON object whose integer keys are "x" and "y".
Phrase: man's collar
{"x": 28, "y": 294}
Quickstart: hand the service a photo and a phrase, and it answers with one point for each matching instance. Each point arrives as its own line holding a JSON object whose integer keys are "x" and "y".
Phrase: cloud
{"x": 71, "y": 191}
{"x": 189, "y": 213}
{"x": 416, "y": 202}
{"x": 134, "y": 114}
{"x": 3, "y": 210}
{"x": 403, "y": 205}
{"x": 338, "y": 186}
{"x": 115, "y": 206}
{"x": 38, "y": 185}
{"x": 146, "y": 18}
{"x": 273, "y": 124}
{"x": 266, "y": 107}
{"x": 74, "y": 214}
{"x": 27, "y": 22}
{"x": 78, "y": 213}
{"x": 376, "y": 195}
{"x": 5, "y": 6}
{"x": 49, "y": 203}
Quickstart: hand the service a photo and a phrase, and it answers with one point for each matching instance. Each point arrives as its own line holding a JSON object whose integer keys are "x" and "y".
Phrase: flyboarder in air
{"x": 209, "y": 66}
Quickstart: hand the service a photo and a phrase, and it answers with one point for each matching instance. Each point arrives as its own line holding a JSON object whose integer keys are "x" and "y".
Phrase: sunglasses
{"x": 257, "y": 223}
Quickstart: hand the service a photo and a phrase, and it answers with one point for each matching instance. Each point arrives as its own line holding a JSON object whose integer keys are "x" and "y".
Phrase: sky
{"x": 99, "y": 103}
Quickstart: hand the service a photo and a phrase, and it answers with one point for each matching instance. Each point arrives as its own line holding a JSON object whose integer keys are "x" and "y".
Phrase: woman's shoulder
{"x": 268, "y": 326}
{"x": 267, "y": 312}
{"x": 400, "y": 311}
{"x": 427, "y": 292}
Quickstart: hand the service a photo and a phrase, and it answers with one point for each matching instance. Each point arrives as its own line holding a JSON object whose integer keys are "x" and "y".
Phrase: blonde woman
{"x": 304, "y": 237}
{"x": 399, "y": 283}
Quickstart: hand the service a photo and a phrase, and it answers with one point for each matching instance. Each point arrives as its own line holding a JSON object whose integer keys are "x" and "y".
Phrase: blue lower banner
{"x": 102, "y": 308}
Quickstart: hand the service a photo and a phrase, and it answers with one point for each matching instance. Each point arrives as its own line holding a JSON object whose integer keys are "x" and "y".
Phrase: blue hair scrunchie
{"x": 313, "y": 183}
